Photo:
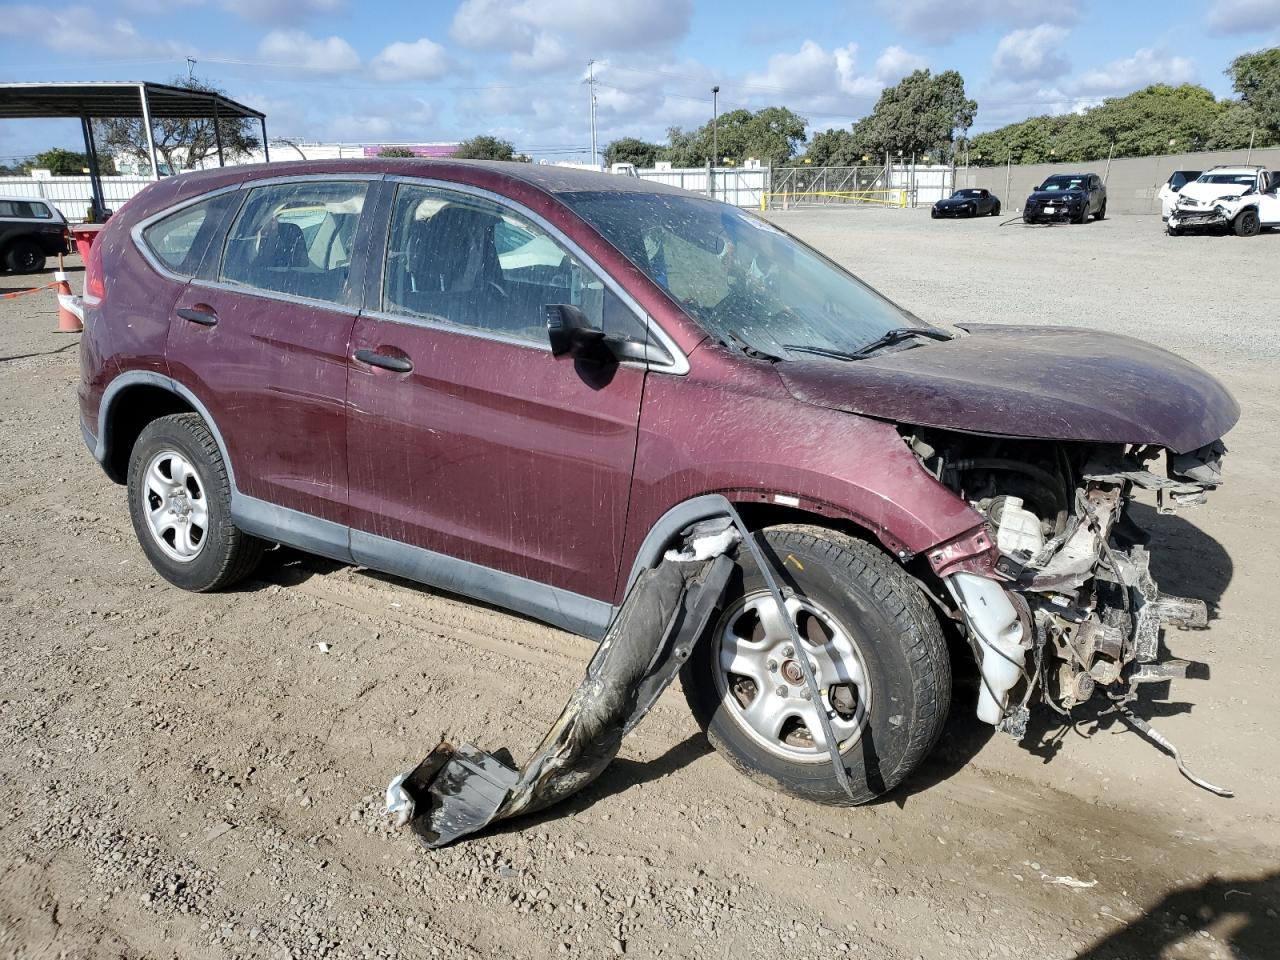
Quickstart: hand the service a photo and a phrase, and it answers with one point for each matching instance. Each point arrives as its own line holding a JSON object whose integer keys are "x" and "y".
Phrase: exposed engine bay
{"x": 1069, "y": 607}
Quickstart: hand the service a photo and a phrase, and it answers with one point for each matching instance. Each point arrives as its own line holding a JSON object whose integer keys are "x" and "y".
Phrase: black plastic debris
{"x": 454, "y": 793}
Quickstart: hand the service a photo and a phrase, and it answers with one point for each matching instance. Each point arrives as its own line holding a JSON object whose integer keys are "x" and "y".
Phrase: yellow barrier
{"x": 888, "y": 198}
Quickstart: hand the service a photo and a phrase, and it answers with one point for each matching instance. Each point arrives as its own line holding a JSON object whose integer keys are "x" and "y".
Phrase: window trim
{"x": 679, "y": 364}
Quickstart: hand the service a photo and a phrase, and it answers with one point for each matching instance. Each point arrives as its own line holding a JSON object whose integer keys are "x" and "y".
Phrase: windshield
{"x": 966, "y": 195}
{"x": 1239, "y": 179}
{"x": 1063, "y": 183}
{"x": 739, "y": 277}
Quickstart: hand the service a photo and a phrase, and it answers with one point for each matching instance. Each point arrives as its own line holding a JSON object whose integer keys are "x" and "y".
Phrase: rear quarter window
{"x": 179, "y": 240}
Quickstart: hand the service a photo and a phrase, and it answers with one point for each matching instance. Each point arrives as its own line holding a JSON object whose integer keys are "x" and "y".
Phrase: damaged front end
{"x": 1056, "y": 593}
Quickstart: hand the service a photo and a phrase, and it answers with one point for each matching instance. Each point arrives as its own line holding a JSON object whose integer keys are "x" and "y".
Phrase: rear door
{"x": 467, "y": 440}
{"x": 262, "y": 339}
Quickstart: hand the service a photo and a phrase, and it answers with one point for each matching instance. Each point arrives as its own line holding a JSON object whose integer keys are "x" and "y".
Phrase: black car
{"x": 967, "y": 203}
{"x": 1069, "y": 197}
{"x": 30, "y": 232}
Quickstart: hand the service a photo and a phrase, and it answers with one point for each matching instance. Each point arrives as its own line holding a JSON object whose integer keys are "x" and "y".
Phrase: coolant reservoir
{"x": 1017, "y": 529}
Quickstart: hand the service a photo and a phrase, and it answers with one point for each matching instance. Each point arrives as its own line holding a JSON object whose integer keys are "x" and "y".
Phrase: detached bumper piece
{"x": 456, "y": 792}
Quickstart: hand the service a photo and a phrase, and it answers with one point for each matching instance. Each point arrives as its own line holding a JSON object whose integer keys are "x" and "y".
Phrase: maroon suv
{"x": 522, "y": 383}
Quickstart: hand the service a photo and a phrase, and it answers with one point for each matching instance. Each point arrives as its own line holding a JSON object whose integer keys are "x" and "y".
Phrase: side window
{"x": 25, "y": 210}
{"x": 179, "y": 240}
{"x": 476, "y": 264}
{"x": 296, "y": 238}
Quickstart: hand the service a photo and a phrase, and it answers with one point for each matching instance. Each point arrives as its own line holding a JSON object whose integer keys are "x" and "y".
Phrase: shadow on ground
{"x": 1239, "y": 914}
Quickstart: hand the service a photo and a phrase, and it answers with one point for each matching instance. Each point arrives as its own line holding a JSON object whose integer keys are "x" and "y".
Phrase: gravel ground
{"x": 195, "y": 776}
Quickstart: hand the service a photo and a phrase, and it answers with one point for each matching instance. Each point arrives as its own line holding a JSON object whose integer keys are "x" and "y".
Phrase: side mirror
{"x": 571, "y": 333}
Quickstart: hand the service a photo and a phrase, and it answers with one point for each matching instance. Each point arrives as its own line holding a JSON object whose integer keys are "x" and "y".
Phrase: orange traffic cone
{"x": 69, "y": 316}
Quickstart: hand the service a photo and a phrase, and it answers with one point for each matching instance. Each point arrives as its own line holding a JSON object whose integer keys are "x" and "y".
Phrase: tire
{"x": 193, "y": 544}
{"x": 1102, "y": 212}
{"x": 24, "y": 257}
{"x": 1247, "y": 223}
{"x": 995, "y": 211}
{"x": 871, "y": 606}
{"x": 933, "y": 214}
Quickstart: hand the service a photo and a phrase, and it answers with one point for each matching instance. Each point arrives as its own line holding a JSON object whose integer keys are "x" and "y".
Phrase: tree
{"x": 920, "y": 115}
{"x": 834, "y": 148}
{"x": 400, "y": 153}
{"x": 182, "y": 143}
{"x": 66, "y": 163}
{"x": 1256, "y": 77}
{"x": 770, "y": 135}
{"x": 631, "y": 150}
{"x": 484, "y": 147}
{"x": 1156, "y": 120}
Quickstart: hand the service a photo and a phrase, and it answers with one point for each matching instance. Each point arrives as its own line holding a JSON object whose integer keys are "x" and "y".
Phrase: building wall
{"x": 1132, "y": 182}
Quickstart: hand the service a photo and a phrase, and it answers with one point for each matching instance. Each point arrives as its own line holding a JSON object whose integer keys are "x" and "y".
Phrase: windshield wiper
{"x": 748, "y": 349}
{"x": 896, "y": 335}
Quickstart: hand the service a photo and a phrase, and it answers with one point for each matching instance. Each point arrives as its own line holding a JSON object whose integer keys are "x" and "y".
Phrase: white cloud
{"x": 547, "y": 53}
{"x": 600, "y": 24}
{"x": 1244, "y": 16}
{"x": 84, "y": 32}
{"x": 937, "y": 21}
{"x": 402, "y": 119}
{"x": 1031, "y": 54}
{"x": 297, "y": 48}
{"x": 288, "y": 12}
{"x": 814, "y": 75}
{"x": 1145, "y": 67}
{"x": 423, "y": 59}
{"x": 895, "y": 63}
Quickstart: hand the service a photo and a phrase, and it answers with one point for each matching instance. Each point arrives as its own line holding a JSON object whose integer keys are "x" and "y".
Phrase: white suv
{"x": 1242, "y": 198}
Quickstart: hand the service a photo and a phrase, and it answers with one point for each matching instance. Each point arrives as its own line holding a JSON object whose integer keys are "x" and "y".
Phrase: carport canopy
{"x": 102, "y": 99}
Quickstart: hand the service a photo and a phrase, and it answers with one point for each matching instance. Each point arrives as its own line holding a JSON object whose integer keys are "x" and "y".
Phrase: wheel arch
{"x": 130, "y": 402}
{"x": 758, "y": 510}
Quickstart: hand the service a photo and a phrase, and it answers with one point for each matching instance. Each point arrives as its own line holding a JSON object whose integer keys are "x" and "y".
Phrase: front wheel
{"x": 25, "y": 257}
{"x": 1247, "y": 224}
{"x": 995, "y": 211}
{"x": 1102, "y": 212}
{"x": 875, "y": 647}
{"x": 180, "y": 503}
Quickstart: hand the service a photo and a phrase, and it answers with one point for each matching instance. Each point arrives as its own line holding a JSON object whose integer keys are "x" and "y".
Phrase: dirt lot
{"x": 191, "y": 776}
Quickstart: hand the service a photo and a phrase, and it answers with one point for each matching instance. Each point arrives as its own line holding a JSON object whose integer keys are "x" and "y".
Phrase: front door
{"x": 263, "y": 342}
{"x": 501, "y": 468}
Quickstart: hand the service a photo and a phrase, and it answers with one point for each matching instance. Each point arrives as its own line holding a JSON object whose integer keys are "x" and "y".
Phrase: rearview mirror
{"x": 571, "y": 333}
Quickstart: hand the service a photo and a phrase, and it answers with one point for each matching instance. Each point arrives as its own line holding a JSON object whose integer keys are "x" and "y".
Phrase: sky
{"x": 398, "y": 71}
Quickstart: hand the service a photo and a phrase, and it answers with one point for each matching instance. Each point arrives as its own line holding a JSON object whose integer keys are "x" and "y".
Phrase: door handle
{"x": 375, "y": 359}
{"x": 201, "y": 315}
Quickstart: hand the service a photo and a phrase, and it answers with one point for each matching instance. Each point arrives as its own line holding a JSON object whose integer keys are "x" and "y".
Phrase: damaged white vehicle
{"x": 1242, "y": 199}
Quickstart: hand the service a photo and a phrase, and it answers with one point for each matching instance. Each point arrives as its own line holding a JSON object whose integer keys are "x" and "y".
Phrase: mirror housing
{"x": 571, "y": 334}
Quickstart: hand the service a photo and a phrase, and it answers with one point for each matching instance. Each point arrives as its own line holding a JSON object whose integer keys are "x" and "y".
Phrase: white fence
{"x": 925, "y": 184}
{"x": 73, "y": 195}
{"x": 743, "y": 187}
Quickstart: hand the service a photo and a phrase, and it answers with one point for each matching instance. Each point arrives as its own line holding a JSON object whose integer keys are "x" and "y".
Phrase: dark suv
{"x": 523, "y": 383}
{"x": 31, "y": 231}
{"x": 1070, "y": 197}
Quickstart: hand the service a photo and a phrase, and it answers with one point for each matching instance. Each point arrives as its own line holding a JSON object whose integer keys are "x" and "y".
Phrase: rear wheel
{"x": 180, "y": 503}
{"x": 874, "y": 645}
{"x": 1102, "y": 212}
{"x": 1247, "y": 223}
{"x": 995, "y": 211}
{"x": 25, "y": 257}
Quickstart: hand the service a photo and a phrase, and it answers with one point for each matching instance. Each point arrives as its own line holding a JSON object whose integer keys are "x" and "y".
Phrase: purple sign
{"x": 434, "y": 151}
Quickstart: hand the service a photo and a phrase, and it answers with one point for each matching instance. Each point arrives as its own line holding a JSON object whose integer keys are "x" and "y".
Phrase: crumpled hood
{"x": 955, "y": 201}
{"x": 1060, "y": 196}
{"x": 1059, "y": 383}
{"x": 1206, "y": 193}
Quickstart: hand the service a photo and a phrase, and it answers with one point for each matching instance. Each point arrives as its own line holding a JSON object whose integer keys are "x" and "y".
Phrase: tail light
{"x": 94, "y": 282}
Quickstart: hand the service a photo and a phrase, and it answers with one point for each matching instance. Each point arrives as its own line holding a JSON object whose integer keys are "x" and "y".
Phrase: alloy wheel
{"x": 177, "y": 511}
{"x": 760, "y": 682}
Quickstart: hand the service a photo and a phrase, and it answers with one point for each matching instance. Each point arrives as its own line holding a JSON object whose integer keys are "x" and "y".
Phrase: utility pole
{"x": 715, "y": 140}
{"x": 591, "y": 86}
{"x": 191, "y": 67}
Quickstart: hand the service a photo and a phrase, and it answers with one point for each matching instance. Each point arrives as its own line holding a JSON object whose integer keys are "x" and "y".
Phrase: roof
{"x": 111, "y": 98}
